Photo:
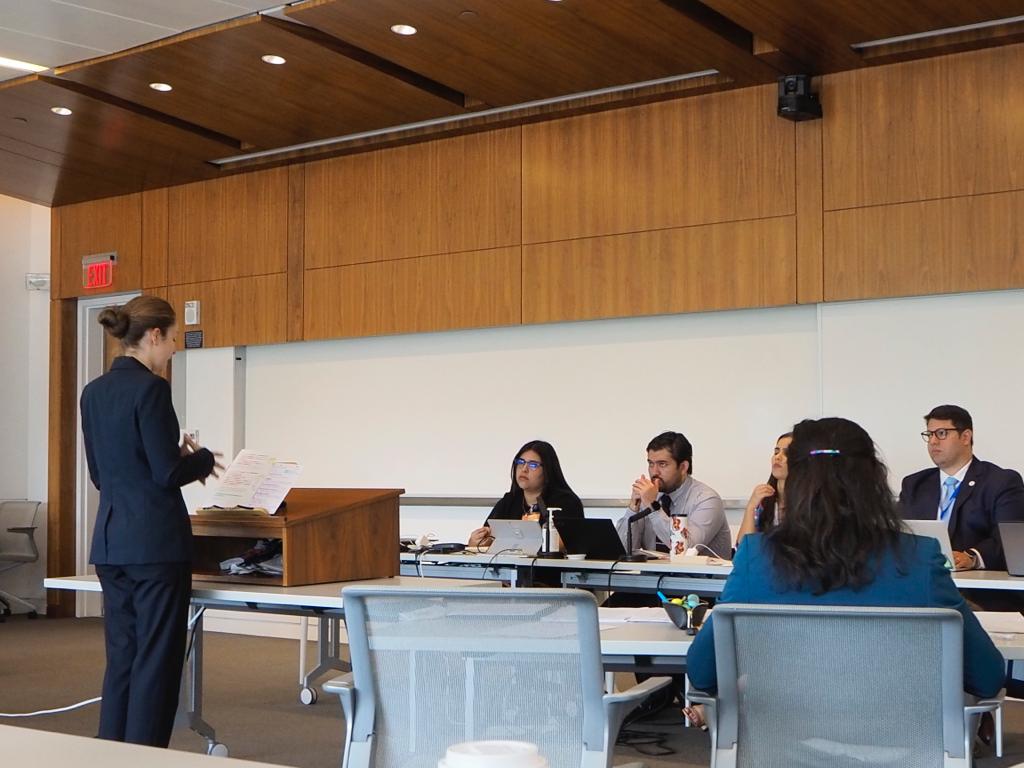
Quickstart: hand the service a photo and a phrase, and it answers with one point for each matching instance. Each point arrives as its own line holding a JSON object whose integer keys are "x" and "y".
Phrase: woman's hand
{"x": 190, "y": 446}
{"x": 481, "y": 537}
{"x": 760, "y": 493}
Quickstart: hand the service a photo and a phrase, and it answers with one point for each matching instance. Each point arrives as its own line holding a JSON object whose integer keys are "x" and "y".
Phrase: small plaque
{"x": 193, "y": 339}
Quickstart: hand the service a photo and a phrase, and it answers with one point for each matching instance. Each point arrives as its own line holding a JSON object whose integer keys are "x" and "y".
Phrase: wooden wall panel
{"x": 62, "y": 452}
{"x": 231, "y": 227}
{"x": 810, "y": 280}
{"x": 432, "y": 293}
{"x": 296, "y": 248}
{"x": 100, "y": 226}
{"x": 940, "y": 246}
{"x": 243, "y": 311}
{"x": 154, "y": 238}
{"x": 921, "y": 130}
{"x": 448, "y": 196}
{"x": 693, "y": 269}
{"x": 719, "y": 157}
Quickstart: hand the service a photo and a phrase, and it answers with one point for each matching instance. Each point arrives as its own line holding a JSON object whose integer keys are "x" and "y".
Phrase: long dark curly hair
{"x": 840, "y": 512}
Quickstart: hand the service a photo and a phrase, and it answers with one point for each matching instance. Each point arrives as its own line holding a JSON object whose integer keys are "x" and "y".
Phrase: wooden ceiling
{"x": 348, "y": 75}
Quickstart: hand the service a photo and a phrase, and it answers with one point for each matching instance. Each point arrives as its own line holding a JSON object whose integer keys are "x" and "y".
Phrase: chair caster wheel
{"x": 216, "y": 749}
{"x": 308, "y": 696}
{"x": 33, "y": 615}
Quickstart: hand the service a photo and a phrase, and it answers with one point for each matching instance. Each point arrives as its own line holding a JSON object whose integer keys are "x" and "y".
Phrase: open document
{"x": 255, "y": 482}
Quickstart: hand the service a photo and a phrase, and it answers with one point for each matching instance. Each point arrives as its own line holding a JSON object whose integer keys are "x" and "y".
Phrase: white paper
{"x": 633, "y": 615}
{"x": 256, "y": 480}
{"x": 1009, "y": 623}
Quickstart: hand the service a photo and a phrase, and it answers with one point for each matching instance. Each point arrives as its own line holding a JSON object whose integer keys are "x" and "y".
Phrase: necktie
{"x": 666, "y": 503}
{"x": 948, "y": 497}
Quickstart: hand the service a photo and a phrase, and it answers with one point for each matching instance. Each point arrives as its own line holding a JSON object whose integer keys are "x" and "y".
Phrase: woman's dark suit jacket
{"x": 131, "y": 445}
{"x": 923, "y": 583}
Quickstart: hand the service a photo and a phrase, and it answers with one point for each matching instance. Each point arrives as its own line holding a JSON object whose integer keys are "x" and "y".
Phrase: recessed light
{"x": 162, "y": 87}
{"x": 403, "y": 29}
{"x": 271, "y": 58}
{"x": 62, "y": 111}
{"x": 24, "y": 66}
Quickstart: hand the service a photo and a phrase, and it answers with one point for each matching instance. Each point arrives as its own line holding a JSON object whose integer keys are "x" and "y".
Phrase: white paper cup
{"x": 493, "y": 754}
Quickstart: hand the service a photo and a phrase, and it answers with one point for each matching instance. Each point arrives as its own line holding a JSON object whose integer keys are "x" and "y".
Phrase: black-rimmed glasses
{"x": 941, "y": 433}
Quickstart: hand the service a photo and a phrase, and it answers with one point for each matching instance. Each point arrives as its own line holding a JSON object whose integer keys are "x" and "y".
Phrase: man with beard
{"x": 672, "y": 491}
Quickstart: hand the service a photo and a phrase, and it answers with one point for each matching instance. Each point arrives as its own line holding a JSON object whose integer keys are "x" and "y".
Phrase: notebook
{"x": 515, "y": 537}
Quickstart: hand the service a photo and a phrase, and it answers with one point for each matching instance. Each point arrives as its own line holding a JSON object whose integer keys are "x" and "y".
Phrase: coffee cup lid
{"x": 493, "y": 754}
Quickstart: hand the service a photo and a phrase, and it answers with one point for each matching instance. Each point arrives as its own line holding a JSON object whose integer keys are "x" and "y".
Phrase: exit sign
{"x": 98, "y": 270}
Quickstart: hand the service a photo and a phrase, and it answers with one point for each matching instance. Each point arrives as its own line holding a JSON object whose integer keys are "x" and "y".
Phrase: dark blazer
{"x": 510, "y": 506}
{"x": 988, "y": 495}
{"x": 131, "y": 445}
{"x": 919, "y": 578}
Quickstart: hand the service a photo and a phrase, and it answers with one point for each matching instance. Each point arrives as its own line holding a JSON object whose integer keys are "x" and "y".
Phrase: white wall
{"x": 24, "y": 348}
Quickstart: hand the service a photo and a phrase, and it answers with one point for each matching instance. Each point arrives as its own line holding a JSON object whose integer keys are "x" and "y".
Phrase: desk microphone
{"x": 630, "y": 556}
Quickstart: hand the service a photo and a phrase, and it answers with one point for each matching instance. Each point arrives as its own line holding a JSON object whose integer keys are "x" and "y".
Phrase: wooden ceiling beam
{"x": 372, "y": 60}
{"x": 730, "y": 46}
{"x": 138, "y": 109}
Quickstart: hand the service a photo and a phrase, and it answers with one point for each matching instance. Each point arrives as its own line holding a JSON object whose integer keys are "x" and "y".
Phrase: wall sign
{"x": 98, "y": 270}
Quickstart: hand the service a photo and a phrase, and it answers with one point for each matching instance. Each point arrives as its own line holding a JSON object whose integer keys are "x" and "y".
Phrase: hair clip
{"x": 825, "y": 451}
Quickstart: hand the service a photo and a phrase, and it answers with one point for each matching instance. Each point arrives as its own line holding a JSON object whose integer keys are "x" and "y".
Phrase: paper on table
{"x": 633, "y": 615}
{"x": 1001, "y": 623}
{"x": 256, "y": 479}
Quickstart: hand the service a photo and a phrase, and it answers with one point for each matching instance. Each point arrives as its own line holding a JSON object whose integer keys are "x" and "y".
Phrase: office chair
{"x": 831, "y": 686}
{"x": 17, "y": 547}
{"x": 435, "y": 667}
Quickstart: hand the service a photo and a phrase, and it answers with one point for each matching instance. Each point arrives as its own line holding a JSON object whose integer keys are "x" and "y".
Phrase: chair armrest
{"x": 637, "y": 693}
{"x": 345, "y": 688}
{"x": 342, "y": 685}
{"x": 699, "y": 697}
{"x": 985, "y": 705}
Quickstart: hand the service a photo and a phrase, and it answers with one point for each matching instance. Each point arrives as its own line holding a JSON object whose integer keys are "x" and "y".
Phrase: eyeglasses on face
{"x": 532, "y": 465}
{"x": 941, "y": 433}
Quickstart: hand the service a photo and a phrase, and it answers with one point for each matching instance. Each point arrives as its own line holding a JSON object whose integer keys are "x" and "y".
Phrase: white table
{"x": 43, "y": 749}
{"x": 320, "y": 600}
{"x": 637, "y": 577}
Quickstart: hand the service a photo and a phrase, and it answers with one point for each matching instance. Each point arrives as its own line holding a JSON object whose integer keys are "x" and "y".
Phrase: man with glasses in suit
{"x": 971, "y": 495}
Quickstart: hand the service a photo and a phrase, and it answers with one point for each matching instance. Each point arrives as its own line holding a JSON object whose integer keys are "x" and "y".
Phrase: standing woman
{"x": 766, "y": 504}
{"x": 142, "y": 543}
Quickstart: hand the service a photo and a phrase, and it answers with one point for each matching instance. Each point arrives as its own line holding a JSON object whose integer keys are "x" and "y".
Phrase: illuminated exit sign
{"x": 98, "y": 270}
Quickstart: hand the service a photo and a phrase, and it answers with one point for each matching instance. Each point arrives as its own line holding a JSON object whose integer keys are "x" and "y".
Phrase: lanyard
{"x": 944, "y": 510}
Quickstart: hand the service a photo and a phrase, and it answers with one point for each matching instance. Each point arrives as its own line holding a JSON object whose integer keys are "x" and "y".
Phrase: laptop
{"x": 936, "y": 529}
{"x": 514, "y": 537}
{"x": 595, "y": 538}
{"x": 1012, "y": 534}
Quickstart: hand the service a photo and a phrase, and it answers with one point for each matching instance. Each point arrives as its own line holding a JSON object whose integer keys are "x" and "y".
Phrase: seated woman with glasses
{"x": 842, "y": 542}
{"x": 537, "y": 484}
{"x": 766, "y": 504}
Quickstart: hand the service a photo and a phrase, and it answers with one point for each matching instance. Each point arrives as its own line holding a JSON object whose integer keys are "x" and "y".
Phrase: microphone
{"x": 640, "y": 515}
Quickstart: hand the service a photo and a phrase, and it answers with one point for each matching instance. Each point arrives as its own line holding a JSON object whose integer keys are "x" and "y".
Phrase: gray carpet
{"x": 251, "y": 698}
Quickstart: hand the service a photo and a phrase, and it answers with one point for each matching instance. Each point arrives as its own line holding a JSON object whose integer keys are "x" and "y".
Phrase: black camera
{"x": 796, "y": 102}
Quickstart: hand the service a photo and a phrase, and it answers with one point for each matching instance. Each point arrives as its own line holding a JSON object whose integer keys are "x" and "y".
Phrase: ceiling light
{"x": 62, "y": 111}
{"x": 403, "y": 29}
{"x": 937, "y": 33}
{"x": 271, "y": 58}
{"x": 162, "y": 87}
{"x": 24, "y": 66}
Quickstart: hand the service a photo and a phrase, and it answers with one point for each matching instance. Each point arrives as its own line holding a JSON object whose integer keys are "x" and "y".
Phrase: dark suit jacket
{"x": 131, "y": 445}
{"x": 988, "y": 495}
{"x": 917, "y": 578}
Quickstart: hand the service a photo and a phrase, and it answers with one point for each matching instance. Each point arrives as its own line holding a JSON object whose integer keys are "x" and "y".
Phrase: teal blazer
{"x": 919, "y": 580}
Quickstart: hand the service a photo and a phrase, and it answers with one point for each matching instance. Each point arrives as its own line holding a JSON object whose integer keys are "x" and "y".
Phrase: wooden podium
{"x": 327, "y": 534}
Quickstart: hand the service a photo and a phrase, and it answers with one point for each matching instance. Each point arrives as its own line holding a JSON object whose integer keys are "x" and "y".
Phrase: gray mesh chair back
{"x": 18, "y": 522}
{"x": 432, "y": 668}
{"x": 830, "y": 687}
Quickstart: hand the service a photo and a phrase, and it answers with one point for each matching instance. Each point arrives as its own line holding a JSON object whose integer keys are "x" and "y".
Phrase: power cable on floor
{"x": 52, "y": 711}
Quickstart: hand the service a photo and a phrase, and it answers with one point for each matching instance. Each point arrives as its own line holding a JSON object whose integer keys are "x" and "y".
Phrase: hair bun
{"x": 115, "y": 321}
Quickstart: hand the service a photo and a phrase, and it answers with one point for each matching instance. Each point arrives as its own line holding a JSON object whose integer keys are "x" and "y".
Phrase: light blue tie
{"x": 948, "y": 490}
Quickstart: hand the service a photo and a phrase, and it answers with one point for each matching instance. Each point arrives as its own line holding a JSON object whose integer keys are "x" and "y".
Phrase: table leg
{"x": 328, "y": 657}
{"x": 192, "y": 702}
